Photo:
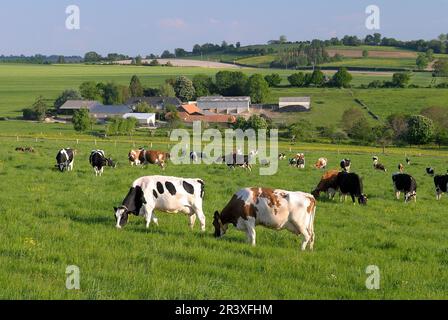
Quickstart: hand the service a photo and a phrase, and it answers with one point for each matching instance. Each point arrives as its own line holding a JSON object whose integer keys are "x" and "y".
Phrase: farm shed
{"x": 105, "y": 112}
{"x": 146, "y": 119}
{"x": 224, "y": 105}
{"x": 294, "y": 104}
{"x": 74, "y": 105}
{"x": 160, "y": 103}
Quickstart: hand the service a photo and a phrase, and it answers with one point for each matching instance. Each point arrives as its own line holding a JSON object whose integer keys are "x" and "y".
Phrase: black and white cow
{"x": 65, "y": 159}
{"x": 377, "y": 165}
{"x": 407, "y": 184}
{"x": 351, "y": 184}
{"x": 346, "y": 165}
{"x": 98, "y": 161}
{"x": 166, "y": 194}
{"x": 430, "y": 172}
{"x": 441, "y": 183}
{"x": 196, "y": 156}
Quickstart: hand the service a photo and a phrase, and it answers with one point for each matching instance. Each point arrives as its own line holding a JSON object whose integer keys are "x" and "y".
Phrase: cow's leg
{"x": 200, "y": 215}
{"x": 438, "y": 194}
{"x": 148, "y": 213}
{"x": 301, "y": 229}
{"x": 250, "y": 231}
{"x": 397, "y": 194}
{"x": 353, "y": 199}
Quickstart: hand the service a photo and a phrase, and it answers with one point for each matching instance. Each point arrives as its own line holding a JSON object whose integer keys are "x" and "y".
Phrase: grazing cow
{"x": 351, "y": 184}
{"x": 328, "y": 184}
{"x": 274, "y": 209}
{"x": 377, "y": 165}
{"x": 25, "y": 149}
{"x": 65, "y": 159}
{"x": 154, "y": 157}
{"x": 134, "y": 157}
{"x": 401, "y": 168}
{"x": 238, "y": 160}
{"x": 321, "y": 164}
{"x": 405, "y": 183}
{"x": 166, "y": 194}
{"x": 441, "y": 183}
{"x": 300, "y": 161}
{"x": 281, "y": 156}
{"x": 346, "y": 165}
{"x": 195, "y": 156}
{"x": 430, "y": 172}
{"x": 98, "y": 161}
{"x": 408, "y": 161}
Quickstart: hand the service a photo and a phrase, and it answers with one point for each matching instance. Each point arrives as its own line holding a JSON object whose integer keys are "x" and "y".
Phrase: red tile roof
{"x": 215, "y": 118}
{"x": 191, "y": 109}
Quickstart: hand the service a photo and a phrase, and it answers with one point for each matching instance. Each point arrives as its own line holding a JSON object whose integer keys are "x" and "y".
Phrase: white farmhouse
{"x": 294, "y": 104}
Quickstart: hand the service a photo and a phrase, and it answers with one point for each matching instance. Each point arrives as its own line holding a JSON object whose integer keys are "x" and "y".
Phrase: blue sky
{"x": 142, "y": 27}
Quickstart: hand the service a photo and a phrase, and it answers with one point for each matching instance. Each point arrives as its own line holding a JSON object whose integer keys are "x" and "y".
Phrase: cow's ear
{"x": 216, "y": 216}
{"x": 115, "y": 209}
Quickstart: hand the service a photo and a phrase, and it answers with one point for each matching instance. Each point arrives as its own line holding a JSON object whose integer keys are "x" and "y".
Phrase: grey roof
{"x": 155, "y": 101}
{"x": 79, "y": 104}
{"x": 140, "y": 116}
{"x": 112, "y": 110}
{"x": 223, "y": 99}
{"x": 295, "y": 99}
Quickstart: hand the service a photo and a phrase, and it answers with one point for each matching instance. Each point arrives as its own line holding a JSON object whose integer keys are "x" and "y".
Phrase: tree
{"x": 317, "y": 78}
{"x": 422, "y": 61}
{"x": 365, "y": 53}
{"x": 302, "y": 130}
{"x": 420, "y": 130}
{"x": 81, "y": 120}
{"x": 258, "y": 89}
{"x": 184, "y": 89}
{"x": 362, "y": 131}
{"x": 441, "y": 68}
{"x": 350, "y": 117}
{"x": 90, "y": 90}
{"x": 341, "y": 79}
{"x": 203, "y": 84}
{"x": 167, "y": 55}
{"x": 135, "y": 87}
{"x": 438, "y": 115}
{"x": 39, "y": 108}
{"x": 401, "y": 79}
{"x": 297, "y": 79}
{"x": 138, "y": 60}
{"x": 114, "y": 94}
{"x": 383, "y": 136}
{"x": 65, "y": 96}
{"x": 167, "y": 90}
{"x": 398, "y": 123}
{"x": 61, "y": 60}
{"x": 230, "y": 83}
{"x": 180, "y": 53}
{"x": 273, "y": 80}
{"x": 441, "y": 136}
{"x": 92, "y": 56}
{"x": 143, "y": 107}
{"x": 255, "y": 122}
{"x": 283, "y": 39}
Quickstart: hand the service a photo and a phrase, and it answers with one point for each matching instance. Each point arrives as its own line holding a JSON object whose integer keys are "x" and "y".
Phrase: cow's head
{"x": 111, "y": 163}
{"x": 132, "y": 204}
{"x": 362, "y": 200}
{"x": 409, "y": 196}
{"x": 220, "y": 228}
{"x": 316, "y": 193}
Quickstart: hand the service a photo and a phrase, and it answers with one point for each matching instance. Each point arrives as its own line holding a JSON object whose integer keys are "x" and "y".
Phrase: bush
{"x": 420, "y": 130}
{"x": 297, "y": 79}
{"x": 81, "y": 120}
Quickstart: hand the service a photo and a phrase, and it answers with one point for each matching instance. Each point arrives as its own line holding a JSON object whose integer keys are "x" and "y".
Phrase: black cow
{"x": 441, "y": 183}
{"x": 346, "y": 164}
{"x": 98, "y": 161}
{"x": 430, "y": 171}
{"x": 351, "y": 184}
{"x": 237, "y": 160}
{"x": 405, "y": 183}
{"x": 65, "y": 159}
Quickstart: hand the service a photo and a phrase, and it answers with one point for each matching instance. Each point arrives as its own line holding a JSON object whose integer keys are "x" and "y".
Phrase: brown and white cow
{"x": 328, "y": 184}
{"x": 322, "y": 163}
{"x": 154, "y": 157}
{"x": 274, "y": 209}
{"x": 134, "y": 157}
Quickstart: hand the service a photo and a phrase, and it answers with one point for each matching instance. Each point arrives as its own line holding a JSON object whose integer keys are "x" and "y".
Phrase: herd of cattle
{"x": 273, "y": 208}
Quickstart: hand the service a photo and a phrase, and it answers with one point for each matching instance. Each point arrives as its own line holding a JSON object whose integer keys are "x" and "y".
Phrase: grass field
{"x": 21, "y": 84}
{"x": 51, "y": 220}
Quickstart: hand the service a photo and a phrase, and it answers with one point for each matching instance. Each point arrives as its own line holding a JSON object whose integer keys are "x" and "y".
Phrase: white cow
{"x": 167, "y": 194}
{"x": 274, "y": 209}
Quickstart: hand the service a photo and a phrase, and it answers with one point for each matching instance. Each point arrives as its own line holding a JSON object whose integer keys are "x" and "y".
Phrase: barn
{"x": 224, "y": 105}
{"x": 294, "y": 104}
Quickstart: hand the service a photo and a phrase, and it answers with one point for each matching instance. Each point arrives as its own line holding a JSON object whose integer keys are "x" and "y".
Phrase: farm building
{"x": 189, "y": 113}
{"x": 145, "y": 119}
{"x": 224, "y": 105}
{"x": 74, "y": 105}
{"x": 294, "y": 104}
{"x": 160, "y": 103}
{"x": 102, "y": 112}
